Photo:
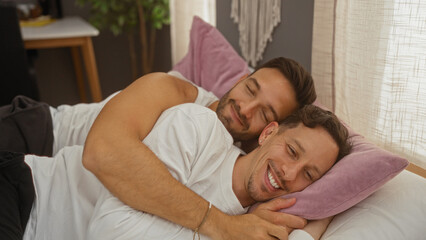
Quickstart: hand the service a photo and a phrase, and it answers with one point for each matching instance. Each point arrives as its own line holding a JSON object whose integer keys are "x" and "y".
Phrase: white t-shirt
{"x": 72, "y": 204}
{"x": 206, "y": 158}
{"x": 71, "y": 124}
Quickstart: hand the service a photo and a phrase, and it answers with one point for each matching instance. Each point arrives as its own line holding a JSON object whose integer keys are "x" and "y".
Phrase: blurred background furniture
{"x": 77, "y": 34}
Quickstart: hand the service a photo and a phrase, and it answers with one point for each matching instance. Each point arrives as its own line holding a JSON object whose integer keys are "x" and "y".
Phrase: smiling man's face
{"x": 285, "y": 162}
{"x": 257, "y": 100}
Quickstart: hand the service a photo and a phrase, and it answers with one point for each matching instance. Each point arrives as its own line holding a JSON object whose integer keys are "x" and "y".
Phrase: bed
{"x": 370, "y": 193}
{"x": 395, "y": 211}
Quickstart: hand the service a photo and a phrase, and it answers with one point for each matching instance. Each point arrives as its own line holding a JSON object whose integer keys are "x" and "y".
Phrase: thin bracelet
{"x": 199, "y": 226}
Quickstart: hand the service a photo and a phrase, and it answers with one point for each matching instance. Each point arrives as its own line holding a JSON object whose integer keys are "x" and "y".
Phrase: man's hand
{"x": 247, "y": 226}
{"x": 269, "y": 212}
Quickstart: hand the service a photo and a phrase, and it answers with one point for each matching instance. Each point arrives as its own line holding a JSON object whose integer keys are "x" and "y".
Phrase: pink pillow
{"x": 348, "y": 182}
{"x": 211, "y": 62}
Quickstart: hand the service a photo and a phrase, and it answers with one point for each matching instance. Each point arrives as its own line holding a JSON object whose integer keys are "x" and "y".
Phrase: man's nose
{"x": 247, "y": 109}
{"x": 290, "y": 171}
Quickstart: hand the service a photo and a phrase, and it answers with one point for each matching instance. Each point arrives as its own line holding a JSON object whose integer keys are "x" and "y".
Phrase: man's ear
{"x": 267, "y": 131}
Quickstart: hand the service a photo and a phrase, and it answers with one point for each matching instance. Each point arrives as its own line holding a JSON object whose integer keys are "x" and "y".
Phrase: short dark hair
{"x": 300, "y": 79}
{"x": 312, "y": 116}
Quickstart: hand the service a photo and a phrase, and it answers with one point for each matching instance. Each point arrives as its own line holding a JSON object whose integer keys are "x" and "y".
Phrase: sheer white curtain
{"x": 369, "y": 66}
{"x": 181, "y": 14}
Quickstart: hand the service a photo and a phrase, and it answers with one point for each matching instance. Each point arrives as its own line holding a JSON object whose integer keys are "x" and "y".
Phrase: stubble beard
{"x": 251, "y": 189}
{"x": 236, "y": 135}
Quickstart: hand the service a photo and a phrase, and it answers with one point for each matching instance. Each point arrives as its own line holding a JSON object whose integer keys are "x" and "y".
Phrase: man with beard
{"x": 113, "y": 151}
{"x": 198, "y": 151}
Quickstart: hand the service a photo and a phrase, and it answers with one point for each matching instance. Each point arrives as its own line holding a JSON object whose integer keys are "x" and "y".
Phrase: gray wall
{"x": 291, "y": 38}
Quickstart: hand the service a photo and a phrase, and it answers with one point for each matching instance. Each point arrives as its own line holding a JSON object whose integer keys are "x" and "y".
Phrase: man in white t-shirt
{"x": 71, "y": 124}
{"x": 199, "y": 152}
{"x": 271, "y": 93}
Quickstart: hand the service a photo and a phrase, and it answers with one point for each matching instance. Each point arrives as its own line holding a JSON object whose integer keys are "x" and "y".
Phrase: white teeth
{"x": 272, "y": 180}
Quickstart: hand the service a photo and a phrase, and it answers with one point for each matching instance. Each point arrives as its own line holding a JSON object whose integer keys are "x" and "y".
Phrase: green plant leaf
{"x": 122, "y": 15}
{"x": 104, "y": 7}
{"x": 115, "y": 29}
{"x": 121, "y": 20}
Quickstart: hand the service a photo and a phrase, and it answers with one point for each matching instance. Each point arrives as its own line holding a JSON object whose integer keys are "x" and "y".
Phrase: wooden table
{"x": 77, "y": 34}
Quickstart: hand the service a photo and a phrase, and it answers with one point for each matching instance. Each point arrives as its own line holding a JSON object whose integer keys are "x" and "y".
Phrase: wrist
{"x": 206, "y": 215}
{"x": 215, "y": 224}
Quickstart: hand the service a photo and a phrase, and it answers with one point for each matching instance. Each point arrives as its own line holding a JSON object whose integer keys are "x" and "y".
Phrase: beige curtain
{"x": 181, "y": 14}
{"x": 369, "y": 66}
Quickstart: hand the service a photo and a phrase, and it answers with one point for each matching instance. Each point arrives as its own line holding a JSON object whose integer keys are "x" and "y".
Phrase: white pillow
{"x": 396, "y": 211}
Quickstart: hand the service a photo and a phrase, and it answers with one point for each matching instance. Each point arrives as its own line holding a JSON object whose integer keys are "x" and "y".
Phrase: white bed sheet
{"x": 396, "y": 211}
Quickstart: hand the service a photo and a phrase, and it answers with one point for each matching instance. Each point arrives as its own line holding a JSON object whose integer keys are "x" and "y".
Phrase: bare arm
{"x": 317, "y": 228}
{"x": 130, "y": 170}
{"x": 114, "y": 152}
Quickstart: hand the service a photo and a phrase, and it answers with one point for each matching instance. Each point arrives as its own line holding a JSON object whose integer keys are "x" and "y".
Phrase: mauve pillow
{"x": 348, "y": 182}
{"x": 211, "y": 62}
